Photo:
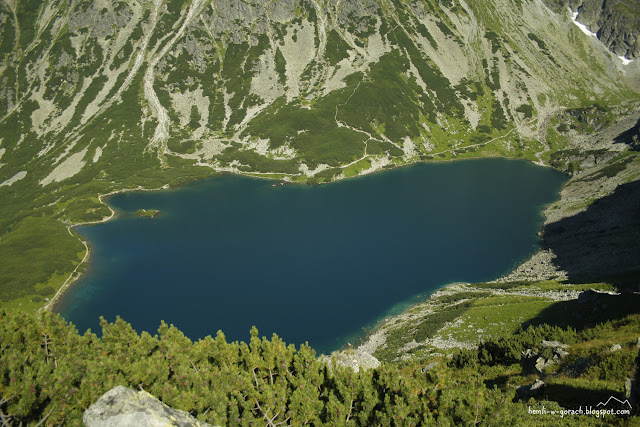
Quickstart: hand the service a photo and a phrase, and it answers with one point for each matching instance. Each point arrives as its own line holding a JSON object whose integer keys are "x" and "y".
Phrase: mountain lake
{"x": 319, "y": 264}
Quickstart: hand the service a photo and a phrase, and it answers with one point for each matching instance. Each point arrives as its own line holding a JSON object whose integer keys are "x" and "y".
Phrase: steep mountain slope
{"x": 616, "y": 23}
{"x": 100, "y": 96}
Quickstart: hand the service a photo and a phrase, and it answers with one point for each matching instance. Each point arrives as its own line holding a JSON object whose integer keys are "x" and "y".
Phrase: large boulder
{"x": 124, "y": 407}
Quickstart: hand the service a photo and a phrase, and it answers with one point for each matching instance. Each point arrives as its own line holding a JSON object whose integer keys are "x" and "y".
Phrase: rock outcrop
{"x": 615, "y": 22}
{"x": 551, "y": 354}
{"x": 122, "y": 406}
{"x": 354, "y": 359}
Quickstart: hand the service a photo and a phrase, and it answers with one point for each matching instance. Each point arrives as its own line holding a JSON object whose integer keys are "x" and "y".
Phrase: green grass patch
{"x": 337, "y": 49}
{"x": 34, "y": 251}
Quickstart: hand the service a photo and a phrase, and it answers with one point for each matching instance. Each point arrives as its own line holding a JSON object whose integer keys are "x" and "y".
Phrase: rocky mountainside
{"x": 99, "y": 96}
{"x": 615, "y": 22}
{"x": 288, "y": 87}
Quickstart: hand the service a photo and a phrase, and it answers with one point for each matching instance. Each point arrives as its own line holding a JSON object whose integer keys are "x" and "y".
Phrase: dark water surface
{"x": 314, "y": 264}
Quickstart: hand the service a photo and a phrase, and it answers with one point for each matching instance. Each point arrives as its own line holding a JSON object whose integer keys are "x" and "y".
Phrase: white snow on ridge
{"x": 625, "y": 61}
{"x": 574, "y": 16}
{"x": 583, "y": 27}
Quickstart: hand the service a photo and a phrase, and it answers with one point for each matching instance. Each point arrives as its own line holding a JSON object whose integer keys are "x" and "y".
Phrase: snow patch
{"x": 14, "y": 178}
{"x": 574, "y": 16}
{"x": 625, "y": 61}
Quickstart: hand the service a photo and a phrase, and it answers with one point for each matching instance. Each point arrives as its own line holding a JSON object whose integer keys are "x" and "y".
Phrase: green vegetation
{"x": 611, "y": 169}
{"x": 337, "y": 48}
{"x": 499, "y": 309}
{"x": 46, "y": 245}
{"x": 252, "y": 161}
{"x": 49, "y": 371}
{"x": 526, "y": 110}
{"x": 281, "y": 66}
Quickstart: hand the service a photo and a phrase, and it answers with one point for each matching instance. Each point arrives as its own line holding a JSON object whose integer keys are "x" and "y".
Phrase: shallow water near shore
{"x": 310, "y": 263}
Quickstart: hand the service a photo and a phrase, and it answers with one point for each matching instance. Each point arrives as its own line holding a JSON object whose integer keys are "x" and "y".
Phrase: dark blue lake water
{"x": 310, "y": 263}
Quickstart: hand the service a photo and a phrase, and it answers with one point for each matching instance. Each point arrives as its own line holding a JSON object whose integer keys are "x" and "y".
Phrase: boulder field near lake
{"x": 98, "y": 98}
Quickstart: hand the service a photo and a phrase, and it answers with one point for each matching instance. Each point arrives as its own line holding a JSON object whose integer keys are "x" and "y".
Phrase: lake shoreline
{"x": 576, "y": 195}
{"x": 54, "y": 304}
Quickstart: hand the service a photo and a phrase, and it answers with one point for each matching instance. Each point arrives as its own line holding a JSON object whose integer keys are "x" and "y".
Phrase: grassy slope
{"x": 497, "y": 316}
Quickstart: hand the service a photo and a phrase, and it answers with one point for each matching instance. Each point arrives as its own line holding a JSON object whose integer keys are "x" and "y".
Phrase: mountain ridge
{"x": 615, "y": 23}
{"x": 97, "y": 96}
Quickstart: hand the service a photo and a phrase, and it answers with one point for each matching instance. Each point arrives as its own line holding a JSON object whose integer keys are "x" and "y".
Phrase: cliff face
{"x": 616, "y": 22}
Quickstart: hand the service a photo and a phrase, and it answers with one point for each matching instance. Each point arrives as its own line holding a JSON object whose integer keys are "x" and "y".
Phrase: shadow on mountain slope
{"x": 631, "y": 137}
{"x": 589, "y": 310}
{"x": 602, "y": 241}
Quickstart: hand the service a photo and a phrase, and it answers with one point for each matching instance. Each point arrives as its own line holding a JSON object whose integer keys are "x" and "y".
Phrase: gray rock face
{"x": 615, "y": 347}
{"x": 535, "y": 363}
{"x": 554, "y": 344}
{"x": 616, "y": 22}
{"x": 429, "y": 367}
{"x": 122, "y": 406}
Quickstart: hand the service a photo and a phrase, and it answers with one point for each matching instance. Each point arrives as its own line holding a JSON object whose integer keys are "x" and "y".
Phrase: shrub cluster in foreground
{"x": 48, "y": 371}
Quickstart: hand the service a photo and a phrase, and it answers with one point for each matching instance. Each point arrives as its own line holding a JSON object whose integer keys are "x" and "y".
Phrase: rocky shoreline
{"x": 593, "y": 186}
